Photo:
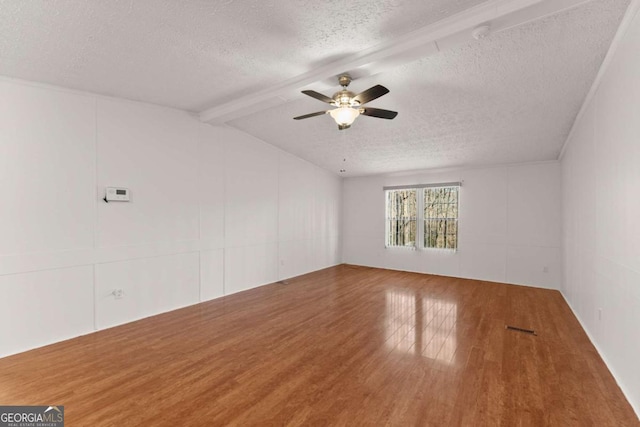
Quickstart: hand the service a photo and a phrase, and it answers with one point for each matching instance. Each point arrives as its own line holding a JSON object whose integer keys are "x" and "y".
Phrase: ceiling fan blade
{"x": 306, "y": 116}
{"x": 318, "y": 96}
{"x": 370, "y": 94}
{"x": 379, "y": 113}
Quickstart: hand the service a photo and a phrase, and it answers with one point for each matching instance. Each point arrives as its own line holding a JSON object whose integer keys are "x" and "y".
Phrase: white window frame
{"x": 386, "y": 219}
{"x": 420, "y": 218}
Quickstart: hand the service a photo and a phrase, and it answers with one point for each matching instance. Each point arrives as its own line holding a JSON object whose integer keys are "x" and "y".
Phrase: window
{"x": 441, "y": 217}
{"x": 402, "y": 218}
{"x": 429, "y": 211}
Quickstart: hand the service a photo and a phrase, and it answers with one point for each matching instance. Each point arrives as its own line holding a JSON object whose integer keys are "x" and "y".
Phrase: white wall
{"x": 509, "y": 225}
{"x": 308, "y": 218}
{"x": 601, "y": 182}
{"x": 213, "y": 212}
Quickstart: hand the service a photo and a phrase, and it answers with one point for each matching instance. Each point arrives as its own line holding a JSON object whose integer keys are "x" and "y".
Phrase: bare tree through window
{"x": 441, "y": 217}
{"x": 401, "y": 217}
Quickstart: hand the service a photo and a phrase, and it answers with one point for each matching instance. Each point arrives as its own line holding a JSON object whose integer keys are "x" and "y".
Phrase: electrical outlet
{"x": 599, "y": 314}
{"x": 118, "y": 293}
{"x": 545, "y": 269}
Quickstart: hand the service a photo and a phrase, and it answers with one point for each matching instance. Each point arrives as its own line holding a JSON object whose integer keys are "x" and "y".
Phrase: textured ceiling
{"x": 198, "y": 53}
{"x": 509, "y": 98}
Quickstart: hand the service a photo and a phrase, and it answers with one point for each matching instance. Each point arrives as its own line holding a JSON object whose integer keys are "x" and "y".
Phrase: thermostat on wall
{"x": 117, "y": 194}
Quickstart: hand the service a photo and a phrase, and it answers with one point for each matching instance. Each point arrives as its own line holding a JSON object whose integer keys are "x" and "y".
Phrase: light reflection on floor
{"x": 421, "y": 325}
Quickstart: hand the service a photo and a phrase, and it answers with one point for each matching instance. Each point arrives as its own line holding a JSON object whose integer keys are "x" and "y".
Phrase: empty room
{"x": 319, "y": 213}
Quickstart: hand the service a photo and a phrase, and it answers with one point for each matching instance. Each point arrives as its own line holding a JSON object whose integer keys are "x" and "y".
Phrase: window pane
{"x": 440, "y": 217}
{"x": 401, "y": 204}
{"x": 401, "y": 217}
{"x": 402, "y": 233}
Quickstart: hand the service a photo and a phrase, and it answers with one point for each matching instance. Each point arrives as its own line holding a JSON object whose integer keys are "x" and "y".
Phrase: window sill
{"x": 401, "y": 248}
{"x": 431, "y": 250}
{"x": 440, "y": 251}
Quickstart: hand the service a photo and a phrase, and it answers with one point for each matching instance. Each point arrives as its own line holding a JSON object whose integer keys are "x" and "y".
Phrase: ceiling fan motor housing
{"x": 344, "y": 98}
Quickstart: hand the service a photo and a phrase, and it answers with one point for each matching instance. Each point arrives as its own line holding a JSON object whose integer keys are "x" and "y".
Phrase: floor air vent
{"x": 526, "y": 331}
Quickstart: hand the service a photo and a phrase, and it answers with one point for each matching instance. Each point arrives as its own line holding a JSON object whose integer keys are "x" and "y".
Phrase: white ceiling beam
{"x": 502, "y": 14}
{"x": 538, "y": 11}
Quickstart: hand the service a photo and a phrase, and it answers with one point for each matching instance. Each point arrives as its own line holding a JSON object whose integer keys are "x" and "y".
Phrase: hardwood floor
{"x": 344, "y": 346}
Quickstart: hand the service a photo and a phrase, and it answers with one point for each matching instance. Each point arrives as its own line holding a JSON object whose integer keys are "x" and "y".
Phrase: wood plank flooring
{"x": 344, "y": 346}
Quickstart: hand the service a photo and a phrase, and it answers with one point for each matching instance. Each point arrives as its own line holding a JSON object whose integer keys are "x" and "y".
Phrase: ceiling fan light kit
{"x": 344, "y": 116}
{"x": 349, "y": 105}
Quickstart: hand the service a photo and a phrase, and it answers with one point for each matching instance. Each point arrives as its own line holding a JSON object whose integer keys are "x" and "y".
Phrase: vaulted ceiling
{"x": 509, "y": 97}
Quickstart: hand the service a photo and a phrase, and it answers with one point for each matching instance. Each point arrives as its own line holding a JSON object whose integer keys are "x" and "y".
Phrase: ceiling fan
{"x": 349, "y": 105}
